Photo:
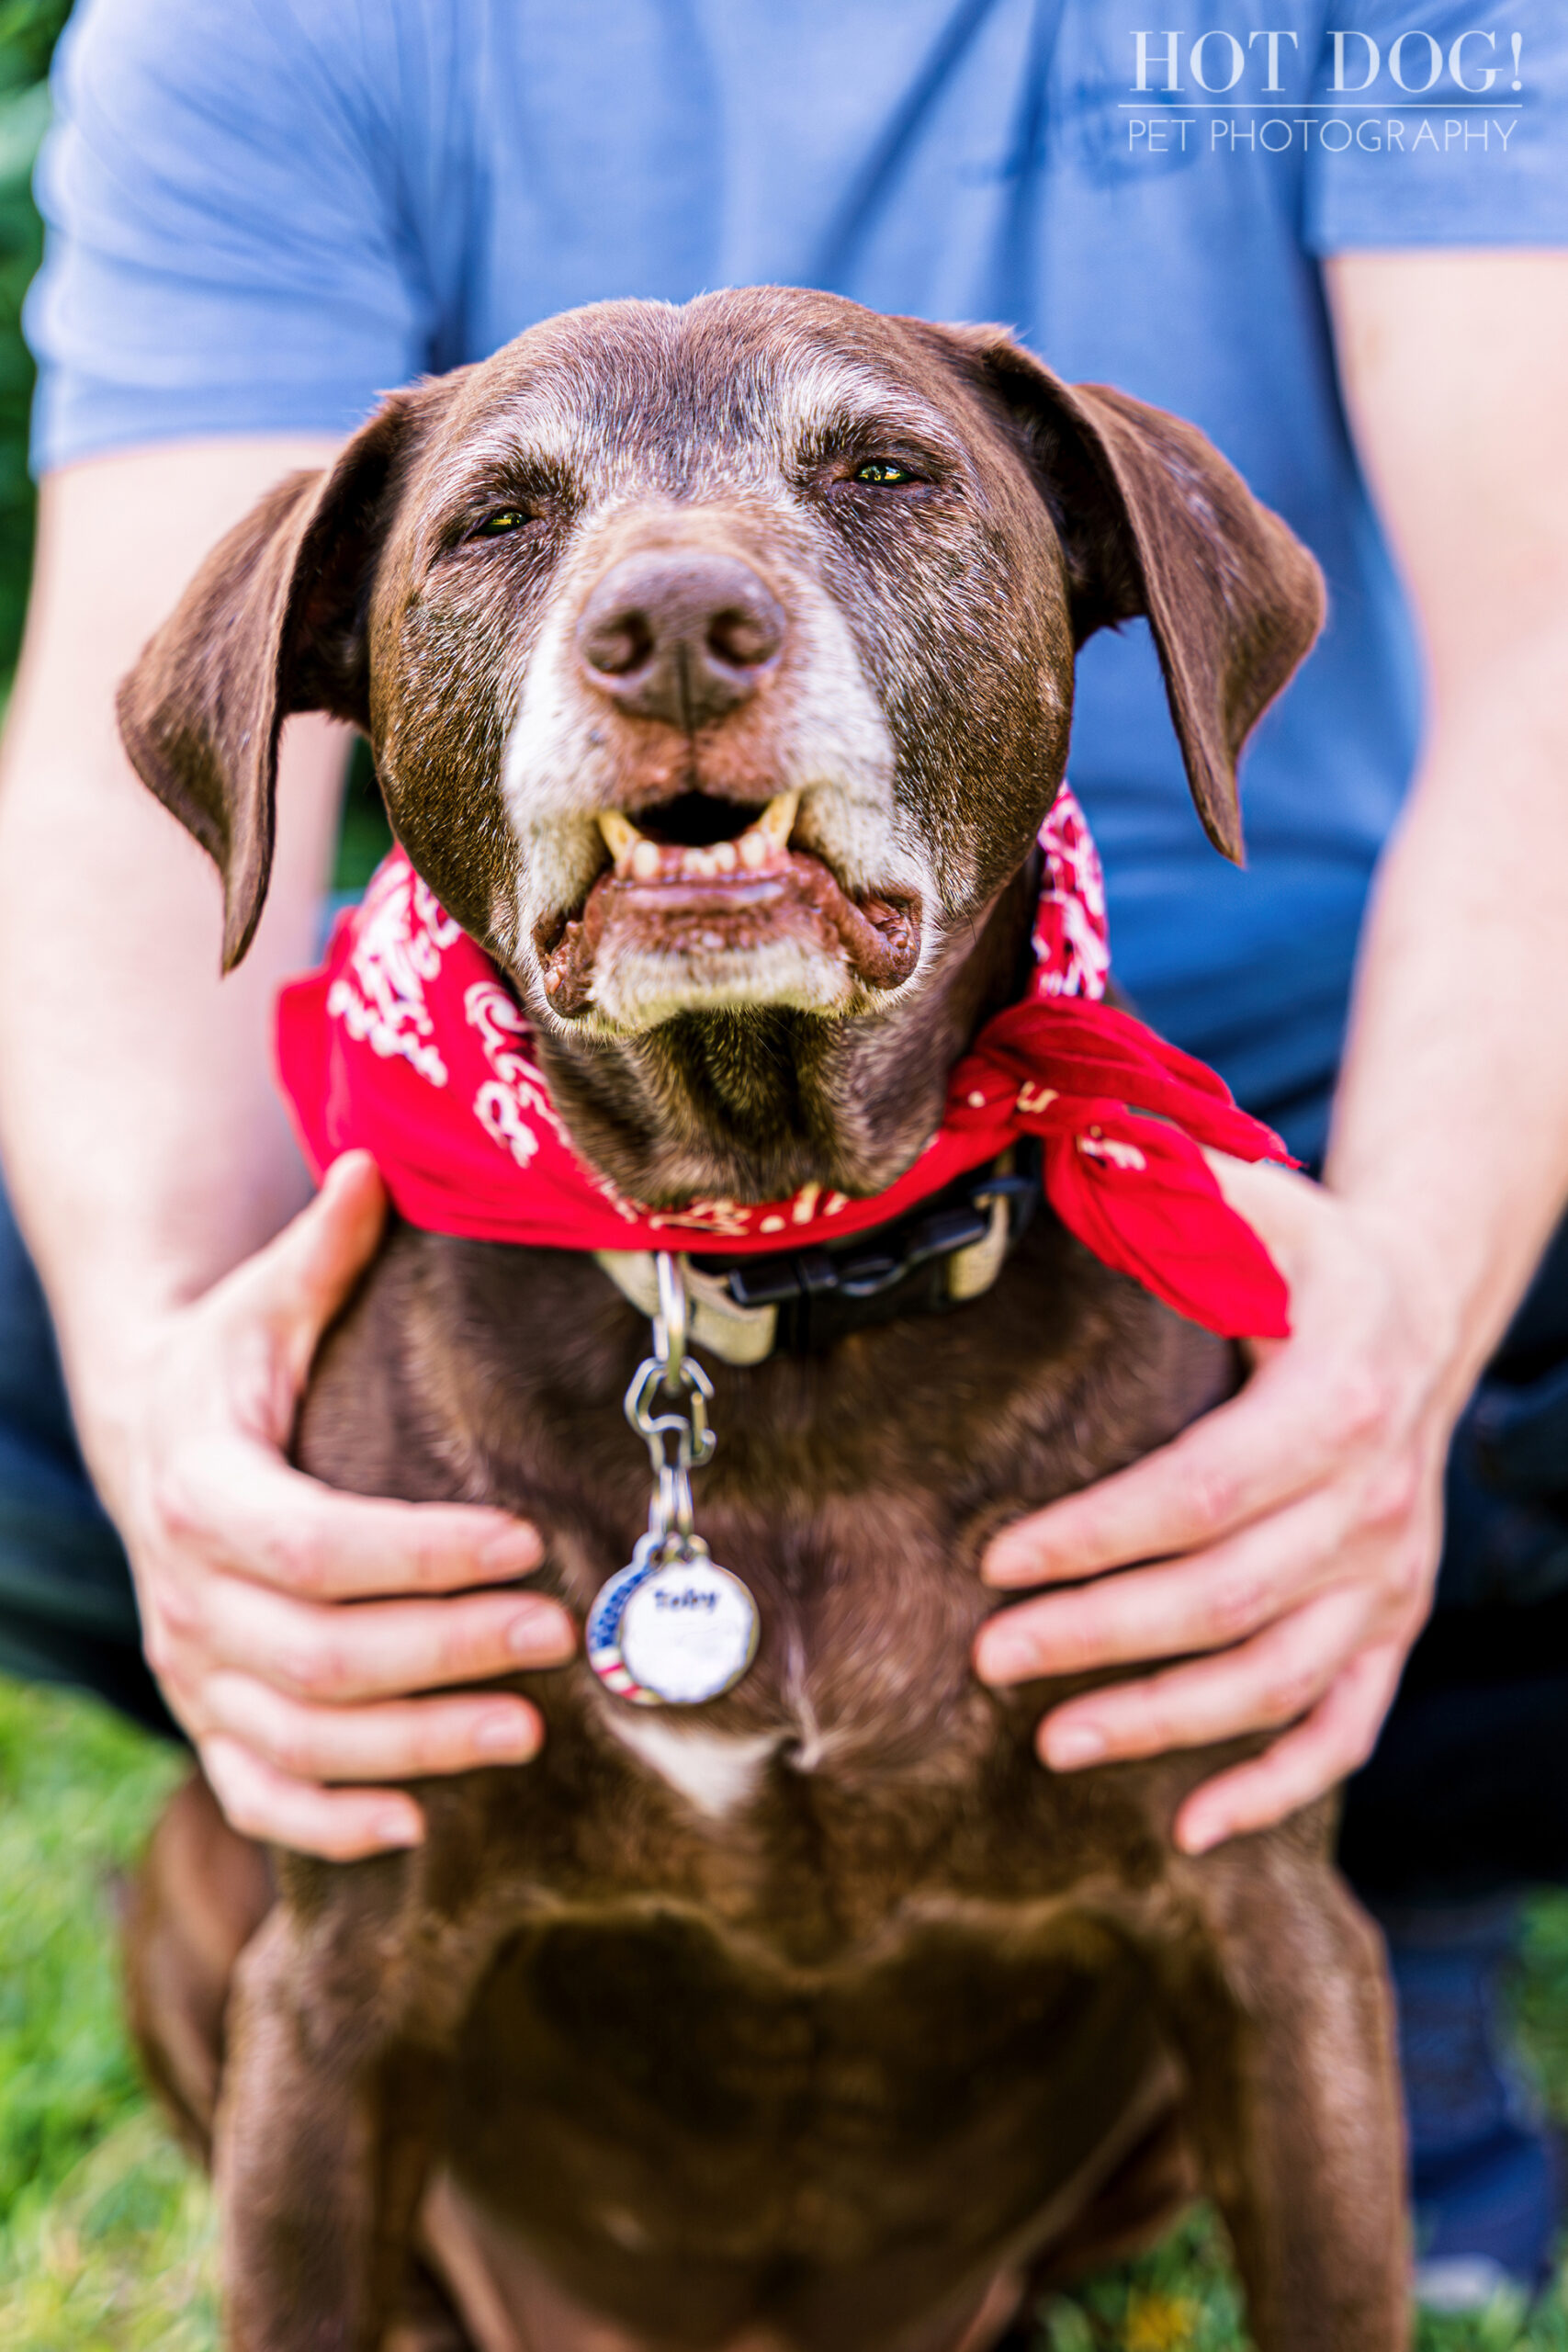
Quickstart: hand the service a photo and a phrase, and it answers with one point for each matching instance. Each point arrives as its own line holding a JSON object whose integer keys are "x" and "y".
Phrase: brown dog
{"x": 820, "y": 2016}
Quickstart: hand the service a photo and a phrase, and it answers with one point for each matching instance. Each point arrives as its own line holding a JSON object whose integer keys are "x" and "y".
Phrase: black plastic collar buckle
{"x": 823, "y": 1292}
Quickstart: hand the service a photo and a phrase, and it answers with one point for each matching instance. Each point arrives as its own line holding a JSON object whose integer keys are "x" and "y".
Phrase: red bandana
{"x": 410, "y": 1044}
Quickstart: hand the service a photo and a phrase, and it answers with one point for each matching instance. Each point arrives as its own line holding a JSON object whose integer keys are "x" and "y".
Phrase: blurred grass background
{"x": 105, "y": 2233}
{"x": 28, "y": 30}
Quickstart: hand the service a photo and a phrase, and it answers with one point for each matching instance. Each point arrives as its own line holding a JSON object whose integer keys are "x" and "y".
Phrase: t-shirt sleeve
{"x": 226, "y": 248}
{"x": 1430, "y": 127}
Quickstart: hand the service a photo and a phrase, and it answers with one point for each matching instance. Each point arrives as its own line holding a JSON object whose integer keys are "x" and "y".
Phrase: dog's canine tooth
{"x": 620, "y": 834}
{"x": 777, "y": 820}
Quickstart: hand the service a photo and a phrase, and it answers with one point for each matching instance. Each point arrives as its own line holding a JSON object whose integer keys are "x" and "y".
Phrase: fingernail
{"x": 513, "y": 1553}
{"x": 505, "y": 1731}
{"x": 399, "y": 1828}
{"x": 1068, "y": 1745}
{"x": 1005, "y": 1657}
{"x": 544, "y": 1634}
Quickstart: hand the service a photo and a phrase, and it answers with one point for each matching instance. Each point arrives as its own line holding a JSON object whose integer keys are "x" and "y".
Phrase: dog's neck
{"x": 751, "y": 1105}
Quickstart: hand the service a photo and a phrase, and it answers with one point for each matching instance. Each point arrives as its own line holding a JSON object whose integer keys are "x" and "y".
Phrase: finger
{"x": 307, "y": 1275}
{"x": 340, "y": 1825}
{"x": 1335, "y": 1739}
{"x": 406, "y": 1740}
{"x": 1264, "y": 1448}
{"x": 374, "y": 1649}
{"x": 236, "y": 1502}
{"x": 1257, "y": 1687}
{"x": 1208, "y": 1602}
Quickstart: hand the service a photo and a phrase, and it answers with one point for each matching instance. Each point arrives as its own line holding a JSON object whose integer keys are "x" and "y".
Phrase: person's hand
{"x": 243, "y": 1566}
{"x": 1287, "y": 1542}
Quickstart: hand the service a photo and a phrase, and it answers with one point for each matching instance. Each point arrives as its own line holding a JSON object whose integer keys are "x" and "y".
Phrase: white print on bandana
{"x": 1072, "y": 945}
{"x": 732, "y": 1220}
{"x": 380, "y": 998}
{"x": 503, "y": 1105}
{"x": 518, "y": 1091}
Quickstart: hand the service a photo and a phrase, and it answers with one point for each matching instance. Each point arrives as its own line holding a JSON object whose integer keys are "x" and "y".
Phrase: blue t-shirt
{"x": 261, "y": 213}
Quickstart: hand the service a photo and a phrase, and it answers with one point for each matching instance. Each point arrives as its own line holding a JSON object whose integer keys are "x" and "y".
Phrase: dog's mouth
{"x": 707, "y": 901}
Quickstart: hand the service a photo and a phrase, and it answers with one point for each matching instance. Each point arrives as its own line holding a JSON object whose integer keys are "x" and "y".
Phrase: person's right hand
{"x": 244, "y": 1568}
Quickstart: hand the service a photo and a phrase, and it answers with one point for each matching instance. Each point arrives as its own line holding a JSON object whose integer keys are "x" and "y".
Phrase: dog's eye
{"x": 507, "y": 518}
{"x": 882, "y": 472}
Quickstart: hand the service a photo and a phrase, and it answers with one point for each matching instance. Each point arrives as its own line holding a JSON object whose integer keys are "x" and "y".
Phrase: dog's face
{"x": 686, "y": 680}
{"x": 719, "y": 657}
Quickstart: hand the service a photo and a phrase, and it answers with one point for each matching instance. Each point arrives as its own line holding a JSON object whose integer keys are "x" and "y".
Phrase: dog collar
{"x": 798, "y": 1302}
{"x": 410, "y": 1044}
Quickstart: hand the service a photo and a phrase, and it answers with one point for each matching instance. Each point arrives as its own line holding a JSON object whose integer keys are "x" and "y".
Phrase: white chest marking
{"x": 714, "y": 1770}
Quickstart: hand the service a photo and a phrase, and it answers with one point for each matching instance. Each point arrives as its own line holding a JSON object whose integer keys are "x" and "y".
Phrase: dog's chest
{"x": 852, "y": 1491}
{"x": 692, "y": 2099}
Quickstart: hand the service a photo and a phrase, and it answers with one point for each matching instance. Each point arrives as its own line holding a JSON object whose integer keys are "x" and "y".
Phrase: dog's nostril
{"x": 679, "y": 635}
{"x": 744, "y": 639}
{"x": 619, "y": 645}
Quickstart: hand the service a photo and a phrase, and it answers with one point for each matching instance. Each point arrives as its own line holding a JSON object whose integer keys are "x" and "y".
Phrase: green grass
{"x": 106, "y": 2231}
{"x": 28, "y": 33}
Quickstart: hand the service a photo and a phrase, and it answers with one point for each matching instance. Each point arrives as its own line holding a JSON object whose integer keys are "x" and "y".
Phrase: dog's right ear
{"x": 274, "y": 622}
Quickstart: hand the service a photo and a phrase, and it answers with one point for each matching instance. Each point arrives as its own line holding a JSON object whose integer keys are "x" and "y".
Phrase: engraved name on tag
{"x": 673, "y": 1630}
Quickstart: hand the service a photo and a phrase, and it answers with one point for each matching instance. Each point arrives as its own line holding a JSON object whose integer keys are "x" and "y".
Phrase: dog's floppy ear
{"x": 1153, "y": 521}
{"x": 274, "y": 622}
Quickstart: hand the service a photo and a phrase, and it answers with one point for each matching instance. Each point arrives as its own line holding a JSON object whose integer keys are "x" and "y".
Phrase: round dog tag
{"x": 673, "y": 1629}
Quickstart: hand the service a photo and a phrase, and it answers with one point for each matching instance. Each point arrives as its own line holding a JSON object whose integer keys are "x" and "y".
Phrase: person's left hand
{"x": 1287, "y": 1541}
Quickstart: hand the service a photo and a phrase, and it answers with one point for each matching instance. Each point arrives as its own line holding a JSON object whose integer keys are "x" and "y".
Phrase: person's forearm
{"x": 1452, "y": 1122}
{"x": 1452, "y": 1117}
{"x": 142, "y": 1139}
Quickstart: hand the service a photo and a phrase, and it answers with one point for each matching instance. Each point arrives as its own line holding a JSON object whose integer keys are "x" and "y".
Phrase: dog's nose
{"x": 683, "y": 637}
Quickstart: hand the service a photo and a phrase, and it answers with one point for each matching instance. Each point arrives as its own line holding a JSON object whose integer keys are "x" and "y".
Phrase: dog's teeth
{"x": 645, "y": 858}
{"x": 698, "y": 865}
{"x": 777, "y": 820}
{"x": 723, "y": 855}
{"x": 620, "y": 834}
{"x": 768, "y": 833}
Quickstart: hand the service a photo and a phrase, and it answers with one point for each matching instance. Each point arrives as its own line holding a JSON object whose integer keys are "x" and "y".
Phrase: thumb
{"x": 306, "y": 1275}
{"x": 1282, "y": 1205}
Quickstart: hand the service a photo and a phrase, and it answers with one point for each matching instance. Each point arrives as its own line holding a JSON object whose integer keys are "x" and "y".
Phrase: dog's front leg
{"x": 330, "y": 2104}
{"x": 1281, "y": 2002}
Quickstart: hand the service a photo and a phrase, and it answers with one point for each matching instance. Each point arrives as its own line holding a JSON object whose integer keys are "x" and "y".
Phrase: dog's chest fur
{"x": 844, "y": 1900}
{"x": 852, "y": 1490}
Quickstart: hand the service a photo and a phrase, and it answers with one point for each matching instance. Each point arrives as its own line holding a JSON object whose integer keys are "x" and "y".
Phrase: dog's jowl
{"x": 717, "y": 665}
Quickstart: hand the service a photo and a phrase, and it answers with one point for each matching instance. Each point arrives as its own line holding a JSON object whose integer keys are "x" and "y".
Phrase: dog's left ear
{"x": 1153, "y": 521}
{"x": 274, "y": 622}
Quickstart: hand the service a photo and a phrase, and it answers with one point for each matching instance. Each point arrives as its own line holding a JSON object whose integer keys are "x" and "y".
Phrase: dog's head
{"x": 718, "y": 656}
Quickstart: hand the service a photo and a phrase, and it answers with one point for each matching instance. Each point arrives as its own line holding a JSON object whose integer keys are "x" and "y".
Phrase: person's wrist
{"x": 110, "y": 1339}
{"x": 1450, "y": 1321}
